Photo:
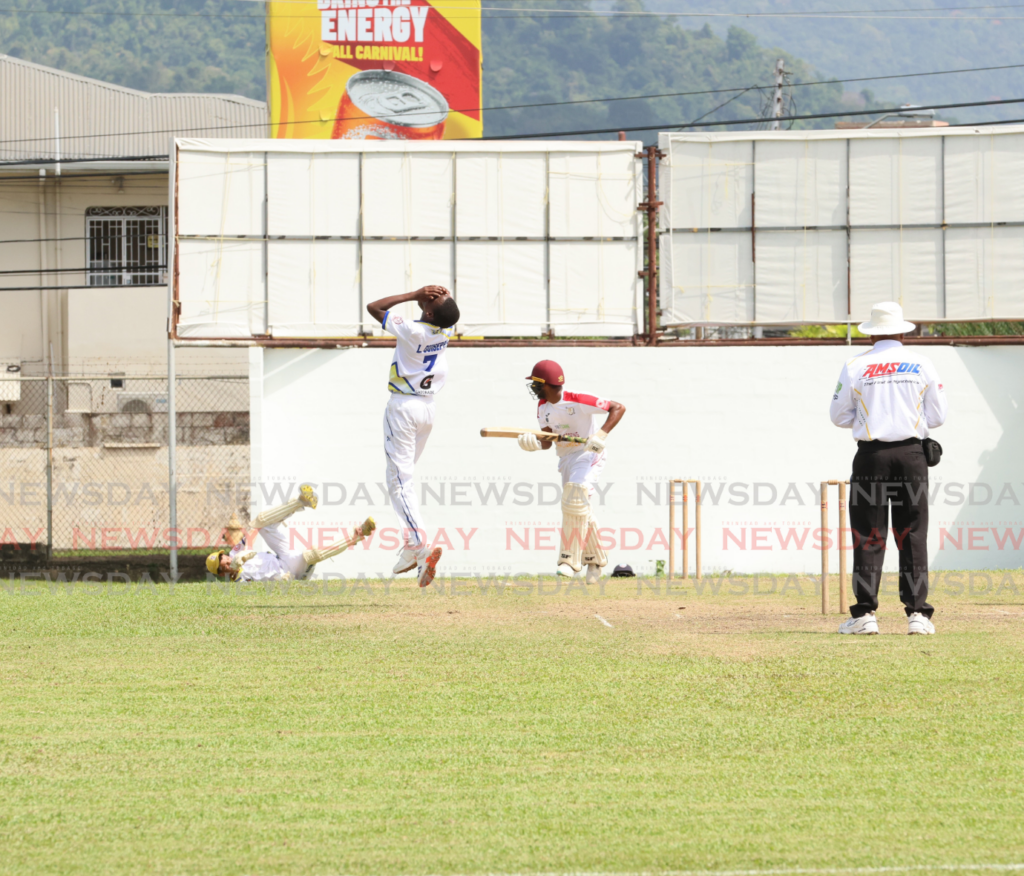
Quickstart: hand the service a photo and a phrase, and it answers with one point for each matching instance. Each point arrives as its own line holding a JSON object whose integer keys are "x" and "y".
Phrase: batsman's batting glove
{"x": 595, "y": 443}
{"x": 528, "y": 441}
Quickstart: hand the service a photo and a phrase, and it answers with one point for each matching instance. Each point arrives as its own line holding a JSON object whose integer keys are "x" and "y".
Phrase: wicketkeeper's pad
{"x": 307, "y": 499}
{"x": 316, "y": 555}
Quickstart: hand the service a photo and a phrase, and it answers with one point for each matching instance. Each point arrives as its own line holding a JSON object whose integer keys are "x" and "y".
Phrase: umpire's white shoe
{"x": 408, "y": 559}
{"x": 865, "y": 625}
{"x": 919, "y": 625}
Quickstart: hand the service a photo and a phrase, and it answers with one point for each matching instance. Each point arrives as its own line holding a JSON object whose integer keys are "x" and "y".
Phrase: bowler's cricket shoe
{"x": 306, "y": 496}
{"x": 919, "y": 625}
{"x": 860, "y": 626}
{"x": 429, "y": 568}
{"x": 408, "y": 560}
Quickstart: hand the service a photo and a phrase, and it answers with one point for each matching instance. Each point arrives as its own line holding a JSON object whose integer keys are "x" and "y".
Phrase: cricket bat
{"x": 513, "y": 432}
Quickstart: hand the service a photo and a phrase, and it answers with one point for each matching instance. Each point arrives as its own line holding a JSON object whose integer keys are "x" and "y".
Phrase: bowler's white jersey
{"x": 889, "y": 393}
{"x": 420, "y": 365}
{"x": 574, "y": 416}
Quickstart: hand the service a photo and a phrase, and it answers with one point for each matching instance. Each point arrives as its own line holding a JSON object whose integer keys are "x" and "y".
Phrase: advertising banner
{"x": 374, "y": 69}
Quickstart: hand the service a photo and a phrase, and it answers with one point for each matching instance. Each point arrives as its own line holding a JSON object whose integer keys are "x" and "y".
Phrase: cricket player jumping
{"x": 572, "y": 414}
{"x": 418, "y": 371}
{"x": 280, "y": 563}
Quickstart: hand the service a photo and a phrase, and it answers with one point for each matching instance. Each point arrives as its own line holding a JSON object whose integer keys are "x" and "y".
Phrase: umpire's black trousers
{"x": 887, "y": 473}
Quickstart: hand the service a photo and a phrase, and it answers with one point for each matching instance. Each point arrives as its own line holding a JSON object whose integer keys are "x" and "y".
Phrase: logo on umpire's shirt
{"x": 570, "y": 411}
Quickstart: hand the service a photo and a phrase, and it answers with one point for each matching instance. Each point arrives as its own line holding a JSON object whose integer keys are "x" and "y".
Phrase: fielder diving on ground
{"x": 280, "y": 563}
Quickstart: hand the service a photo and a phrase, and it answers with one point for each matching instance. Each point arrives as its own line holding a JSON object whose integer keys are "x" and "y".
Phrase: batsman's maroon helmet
{"x": 549, "y": 372}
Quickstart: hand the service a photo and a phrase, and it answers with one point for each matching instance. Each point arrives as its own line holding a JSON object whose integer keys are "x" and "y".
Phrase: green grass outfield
{"x": 391, "y": 731}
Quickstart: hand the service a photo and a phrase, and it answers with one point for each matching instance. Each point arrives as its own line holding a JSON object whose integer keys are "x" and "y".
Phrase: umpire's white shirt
{"x": 889, "y": 393}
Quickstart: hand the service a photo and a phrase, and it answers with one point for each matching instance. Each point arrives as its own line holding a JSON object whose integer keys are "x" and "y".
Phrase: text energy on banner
{"x": 374, "y": 69}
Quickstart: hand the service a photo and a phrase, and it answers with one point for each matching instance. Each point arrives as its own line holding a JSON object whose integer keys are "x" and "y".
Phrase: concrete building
{"x": 83, "y": 220}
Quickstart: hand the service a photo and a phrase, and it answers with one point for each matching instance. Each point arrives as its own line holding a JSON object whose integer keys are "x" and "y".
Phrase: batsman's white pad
{"x": 307, "y": 499}
{"x": 575, "y": 520}
{"x": 593, "y": 553}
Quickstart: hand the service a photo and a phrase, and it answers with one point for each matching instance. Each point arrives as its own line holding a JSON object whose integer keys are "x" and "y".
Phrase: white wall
{"x": 734, "y": 417}
{"x": 112, "y": 323}
{"x": 55, "y": 211}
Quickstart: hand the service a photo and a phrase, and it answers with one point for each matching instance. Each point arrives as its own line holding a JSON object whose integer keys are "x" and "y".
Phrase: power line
{"x": 95, "y": 157}
{"x": 839, "y": 14}
{"x": 731, "y": 122}
{"x": 64, "y": 239}
{"x": 480, "y": 109}
{"x": 104, "y": 271}
{"x": 748, "y": 13}
{"x": 871, "y": 112}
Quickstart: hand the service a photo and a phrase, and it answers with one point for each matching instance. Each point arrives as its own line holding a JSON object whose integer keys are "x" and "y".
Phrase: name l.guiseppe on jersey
{"x": 420, "y": 365}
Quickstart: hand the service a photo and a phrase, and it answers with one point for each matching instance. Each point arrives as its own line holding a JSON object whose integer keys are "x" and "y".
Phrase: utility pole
{"x": 777, "y": 112}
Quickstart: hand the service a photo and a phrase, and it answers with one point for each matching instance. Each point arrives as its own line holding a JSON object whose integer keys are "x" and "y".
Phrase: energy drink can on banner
{"x": 384, "y": 105}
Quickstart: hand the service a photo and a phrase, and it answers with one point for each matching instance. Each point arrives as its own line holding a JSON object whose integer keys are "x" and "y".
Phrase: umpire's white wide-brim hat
{"x": 886, "y": 319}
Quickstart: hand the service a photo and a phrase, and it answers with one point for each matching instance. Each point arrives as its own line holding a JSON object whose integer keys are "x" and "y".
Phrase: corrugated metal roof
{"x": 100, "y": 120}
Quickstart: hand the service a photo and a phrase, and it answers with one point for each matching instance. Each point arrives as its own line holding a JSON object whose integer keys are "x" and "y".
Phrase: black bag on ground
{"x": 932, "y": 451}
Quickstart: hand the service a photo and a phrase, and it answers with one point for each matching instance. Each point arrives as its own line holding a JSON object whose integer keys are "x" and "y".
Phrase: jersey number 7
{"x": 428, "y": 361}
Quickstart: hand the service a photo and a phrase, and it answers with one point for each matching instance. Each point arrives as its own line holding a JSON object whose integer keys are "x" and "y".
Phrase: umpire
{"x": 890, "y": 396}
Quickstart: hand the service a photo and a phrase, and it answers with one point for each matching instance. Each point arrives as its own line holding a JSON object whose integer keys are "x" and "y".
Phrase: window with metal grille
{"x": 127, "y": 246}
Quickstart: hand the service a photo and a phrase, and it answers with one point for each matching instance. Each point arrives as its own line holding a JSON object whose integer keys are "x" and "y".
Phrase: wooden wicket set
{"x": 683, "y": 494}
{"x": 843, "y": 523}
{"x": 684, "y": 534}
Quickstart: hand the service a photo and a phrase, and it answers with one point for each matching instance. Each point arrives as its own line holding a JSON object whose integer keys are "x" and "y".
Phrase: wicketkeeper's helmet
{"x": 213, "y": 562}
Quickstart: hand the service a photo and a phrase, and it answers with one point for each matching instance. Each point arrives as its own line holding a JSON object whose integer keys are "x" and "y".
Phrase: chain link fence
{"x": 84, "y": 467}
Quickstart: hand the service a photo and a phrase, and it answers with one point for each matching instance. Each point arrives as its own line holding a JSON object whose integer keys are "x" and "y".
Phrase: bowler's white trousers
{"x": 408, "y": 420}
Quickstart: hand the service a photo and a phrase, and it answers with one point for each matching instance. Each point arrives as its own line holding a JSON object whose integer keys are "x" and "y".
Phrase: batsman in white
{"x": 573, "y": 414}
{"x": 280, "y": 563}
{"x": 418, "y": 372}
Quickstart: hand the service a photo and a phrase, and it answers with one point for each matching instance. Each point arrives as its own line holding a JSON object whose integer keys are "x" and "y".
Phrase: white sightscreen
{"x": 291, "y": 239}
{"x": 816, "y": 226}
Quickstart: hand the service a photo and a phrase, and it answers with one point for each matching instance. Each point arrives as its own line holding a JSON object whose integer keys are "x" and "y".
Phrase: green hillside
{"x": 218, "y": 46}
{"x": 551, "y": 58}
{"x": 975, "y": 35}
